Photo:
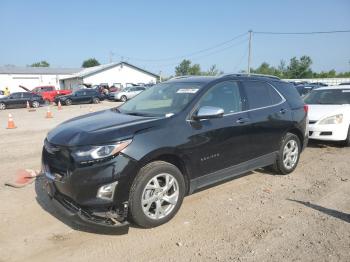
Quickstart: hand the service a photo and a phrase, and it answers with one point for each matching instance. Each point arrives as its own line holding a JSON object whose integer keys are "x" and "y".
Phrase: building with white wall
{"x": 118, "y": 74}
{"x": 68, "y": 78}
{"x": 30, "y": 77}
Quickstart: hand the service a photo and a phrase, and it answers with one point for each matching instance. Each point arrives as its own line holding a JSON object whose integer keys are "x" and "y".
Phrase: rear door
{"x": 14, "y": 100}
{"x": 269, "y": 114}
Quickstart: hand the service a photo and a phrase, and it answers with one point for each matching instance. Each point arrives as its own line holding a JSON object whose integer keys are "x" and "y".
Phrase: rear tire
{"x": 123, "y": 98}
{"x": 156, "y": 194}
{"x": 35, "y": 104}
{"x": 2, "y": 106}
{"x": 288, "y": 155}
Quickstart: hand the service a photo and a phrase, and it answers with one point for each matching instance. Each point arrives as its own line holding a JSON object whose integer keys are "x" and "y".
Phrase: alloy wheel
{"x": 35, "y": 104}
{"x": 160, "y": 196}
{"x": 2, "y": 106}
{"x": 290, "y": 154}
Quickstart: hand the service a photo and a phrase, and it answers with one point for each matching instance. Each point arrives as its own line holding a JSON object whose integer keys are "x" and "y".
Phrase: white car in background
{"x": 329, "y": 113}
{"x": 126, "y": 93}
{"x": 2, "y": 94}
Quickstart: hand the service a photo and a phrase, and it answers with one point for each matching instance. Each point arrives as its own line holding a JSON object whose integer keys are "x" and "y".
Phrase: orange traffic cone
{"x": 59, "y": 105}
{"x": 10, "y": 123}
{"x": 49, "y": 113}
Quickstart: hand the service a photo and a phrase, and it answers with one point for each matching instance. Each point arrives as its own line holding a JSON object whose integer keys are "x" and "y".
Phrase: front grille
{"x": 57, "y": 158}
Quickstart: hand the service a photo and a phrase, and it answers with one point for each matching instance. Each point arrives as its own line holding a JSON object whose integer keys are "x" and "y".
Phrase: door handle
{"x": 242, "y": 120}
{"x": 283, "y": 111}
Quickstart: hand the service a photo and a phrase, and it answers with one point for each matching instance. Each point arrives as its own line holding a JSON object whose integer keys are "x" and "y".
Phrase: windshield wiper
{"x": 138, "y": 114}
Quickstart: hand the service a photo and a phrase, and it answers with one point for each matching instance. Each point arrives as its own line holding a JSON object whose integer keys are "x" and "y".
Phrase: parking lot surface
{"x": 304, "y": 216}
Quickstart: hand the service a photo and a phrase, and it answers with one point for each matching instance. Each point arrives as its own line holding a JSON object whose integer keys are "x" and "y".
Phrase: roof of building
{"x": 73, "y": 72}
{"x": 96, "y": 69}
{"x": 38, "y": 70}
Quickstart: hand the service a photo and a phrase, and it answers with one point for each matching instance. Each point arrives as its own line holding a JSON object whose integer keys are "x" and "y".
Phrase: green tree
{"x": 90, "y": 63}
{"x": 185, "y": 68}
{"x": 299, "y": 68}
{"x": 213, "y": 71}
{"x": 40, "y": 64}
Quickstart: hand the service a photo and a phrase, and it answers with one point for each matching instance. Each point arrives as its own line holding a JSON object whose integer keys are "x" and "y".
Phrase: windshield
{"x": 164, "y": 99}
{"x": 328, "y": 97}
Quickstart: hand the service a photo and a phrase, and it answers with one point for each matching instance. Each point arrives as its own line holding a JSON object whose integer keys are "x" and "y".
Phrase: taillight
{"x": 306, "y": 109}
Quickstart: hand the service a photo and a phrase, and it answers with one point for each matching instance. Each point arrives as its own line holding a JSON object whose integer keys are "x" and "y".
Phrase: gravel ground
{"x": 304, "y": 216}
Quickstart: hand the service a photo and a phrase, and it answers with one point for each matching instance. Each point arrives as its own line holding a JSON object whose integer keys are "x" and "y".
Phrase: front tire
{"x": 95, "y": 100}
{"x": 347, "y": 140}
{"x": 288, "y": 155}
{"x": 68, "y": 102}
{"x": 156, "y": 194}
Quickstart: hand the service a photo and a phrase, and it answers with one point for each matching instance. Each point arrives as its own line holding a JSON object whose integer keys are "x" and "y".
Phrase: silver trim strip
{"x": 254, "y": 109}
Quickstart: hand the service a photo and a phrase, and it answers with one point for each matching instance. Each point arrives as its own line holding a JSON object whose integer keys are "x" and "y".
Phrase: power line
{"x": 301, "y": 33}
{"x": 189, "y": 54}
{"x": 210, "y": 54}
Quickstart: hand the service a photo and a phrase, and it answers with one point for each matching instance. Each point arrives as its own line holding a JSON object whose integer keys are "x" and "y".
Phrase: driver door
{"x": 220, "y": 143}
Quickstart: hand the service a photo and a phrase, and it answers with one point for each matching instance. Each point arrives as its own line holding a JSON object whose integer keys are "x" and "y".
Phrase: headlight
{"x": 100, "y": 152}
{"x": 337, "y": 119}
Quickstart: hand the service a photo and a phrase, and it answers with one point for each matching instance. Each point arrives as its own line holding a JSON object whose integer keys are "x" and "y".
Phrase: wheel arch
{"x": 175, "y": 160}
{"x": 299, "y": 134}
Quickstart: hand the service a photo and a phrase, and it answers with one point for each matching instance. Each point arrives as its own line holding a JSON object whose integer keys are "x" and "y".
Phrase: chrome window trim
{"x": 283, "y": 100}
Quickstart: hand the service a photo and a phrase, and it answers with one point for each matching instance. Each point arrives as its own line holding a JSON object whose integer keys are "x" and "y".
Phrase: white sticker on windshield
{"x": 169, "y": 114}
{"x": 187, "y": 91}
{"x": 346, "y": 91}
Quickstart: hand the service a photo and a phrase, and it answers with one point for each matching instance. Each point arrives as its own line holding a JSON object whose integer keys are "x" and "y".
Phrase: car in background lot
{"x": 139, "y": 160}
{"x": 126, "y": 93}
{"x": 49, "y": 93}
{"x": 83, "y": 96}
{"x": 329, "y": 113}
{"x": 20, "y": 99}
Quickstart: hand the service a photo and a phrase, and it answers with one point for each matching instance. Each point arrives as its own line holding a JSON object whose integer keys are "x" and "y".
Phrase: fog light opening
{"x": 107, "y": 191}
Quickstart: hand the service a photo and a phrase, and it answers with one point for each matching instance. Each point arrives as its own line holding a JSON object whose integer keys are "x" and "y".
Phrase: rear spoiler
{"x": 26, "y": 89}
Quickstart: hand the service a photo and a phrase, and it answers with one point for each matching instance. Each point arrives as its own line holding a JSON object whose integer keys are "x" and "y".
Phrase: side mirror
{"x": 209, "y": 112}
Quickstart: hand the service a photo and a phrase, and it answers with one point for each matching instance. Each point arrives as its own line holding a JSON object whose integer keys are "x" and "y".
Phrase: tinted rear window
{"x": 261, "y": 94}
{"x": 290, "y": 93}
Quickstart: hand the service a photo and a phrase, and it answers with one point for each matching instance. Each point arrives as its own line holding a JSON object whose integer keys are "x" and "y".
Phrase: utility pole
{"x": 250, "y": 50}
{"x": 111, "y": 54}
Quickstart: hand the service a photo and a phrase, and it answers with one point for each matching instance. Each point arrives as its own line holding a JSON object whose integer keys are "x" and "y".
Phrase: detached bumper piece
{"x": 105, "y": 222}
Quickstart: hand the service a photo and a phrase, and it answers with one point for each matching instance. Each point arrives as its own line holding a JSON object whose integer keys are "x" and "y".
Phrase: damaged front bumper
{"x": 106, "y": 222}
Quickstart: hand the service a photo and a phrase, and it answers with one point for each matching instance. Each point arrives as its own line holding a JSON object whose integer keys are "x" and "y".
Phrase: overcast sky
{"x": 66, "y": 32}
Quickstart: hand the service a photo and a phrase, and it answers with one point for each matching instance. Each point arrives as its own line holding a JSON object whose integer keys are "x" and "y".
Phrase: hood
{"x": 24, "y": 88}
{"x": 316, "y": 112}
{"x": 98, "y": 128}
{"x": 63, "y": 96}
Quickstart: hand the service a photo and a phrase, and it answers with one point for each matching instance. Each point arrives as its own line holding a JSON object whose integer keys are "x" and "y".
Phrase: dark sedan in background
{"x": 20, "y": 99}
{"x": 82, "y": 96}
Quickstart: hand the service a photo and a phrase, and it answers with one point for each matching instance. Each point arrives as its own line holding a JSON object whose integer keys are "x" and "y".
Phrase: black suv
{"x": 81, "y": 96}
{"x": 20, "y": 99}
{"x": 138, "y": 161}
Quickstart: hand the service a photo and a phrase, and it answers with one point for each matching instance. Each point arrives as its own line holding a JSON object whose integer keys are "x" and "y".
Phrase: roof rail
{"x": 245, "y": 74}
{"x": 179, "y": 77}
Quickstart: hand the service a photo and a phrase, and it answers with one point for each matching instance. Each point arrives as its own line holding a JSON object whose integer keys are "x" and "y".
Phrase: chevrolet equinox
{"x": 136, "y": 162}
